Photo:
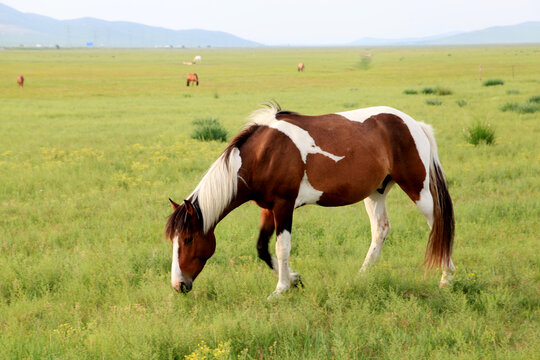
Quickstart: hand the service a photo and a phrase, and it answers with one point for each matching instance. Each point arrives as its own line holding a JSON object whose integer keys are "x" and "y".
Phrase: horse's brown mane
{"x": 178, "y": 219}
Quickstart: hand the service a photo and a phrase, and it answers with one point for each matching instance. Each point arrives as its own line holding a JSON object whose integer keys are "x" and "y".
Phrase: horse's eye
{"x": 188, "y": 240}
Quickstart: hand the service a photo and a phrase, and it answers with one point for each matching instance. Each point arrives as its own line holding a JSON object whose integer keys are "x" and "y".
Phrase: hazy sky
{"x": 299, "y": 22}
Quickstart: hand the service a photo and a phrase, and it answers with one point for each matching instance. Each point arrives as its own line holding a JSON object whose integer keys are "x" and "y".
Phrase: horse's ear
{"x": 174, "y": 205}
{"x": 189, "y": 207}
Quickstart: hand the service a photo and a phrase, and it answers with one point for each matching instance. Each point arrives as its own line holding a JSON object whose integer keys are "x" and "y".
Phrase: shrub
{"x": 209, "y": 129}
{"x": 480, "y": 132}
{"x": 461, "y": 102}
{"x": 510, "y": 92}
{"x": 443, "y": 91}
{"x": 493, "y": 82}
{"x": 410, "y": 92}
{"x": 511, "y": 106}
{"x": 433, "y": 102}
{"x": 535, "y": 99}
{"x": 428, "y": 90}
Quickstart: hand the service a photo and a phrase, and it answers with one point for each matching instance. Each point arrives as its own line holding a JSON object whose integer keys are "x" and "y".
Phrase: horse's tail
{"x": 441, "y": 238}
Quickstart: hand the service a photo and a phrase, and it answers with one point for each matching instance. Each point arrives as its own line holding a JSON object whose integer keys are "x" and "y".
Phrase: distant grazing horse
{"x": 20, "y": 81}
{"x": 197, "y": 59}
{"x": 301, "y": 66}
{"x": 192, "y": 78}
{"x": 283, "y": 160}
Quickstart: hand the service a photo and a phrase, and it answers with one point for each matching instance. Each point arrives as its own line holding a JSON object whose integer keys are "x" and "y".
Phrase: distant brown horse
{"x": 192, "y": 78}
{"x": 301, "y": 66}
{"x": 20, "y": 81}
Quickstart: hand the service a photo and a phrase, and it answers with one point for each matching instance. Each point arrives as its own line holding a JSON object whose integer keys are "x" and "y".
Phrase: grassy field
{"x": 97, "y": 141}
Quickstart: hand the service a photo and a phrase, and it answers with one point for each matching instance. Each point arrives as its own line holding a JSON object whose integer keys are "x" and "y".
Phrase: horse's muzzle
{"x": 184, "y": 288}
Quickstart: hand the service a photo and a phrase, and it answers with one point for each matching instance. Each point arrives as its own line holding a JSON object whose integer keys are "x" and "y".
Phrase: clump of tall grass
{"x": 364, "y": 63}
{"x": 443, "y": 91}
{"x": 480, "y": 132}
{"x": 350, "y": 105}
{"x": 433, "y": 102}
{"x": 529, "y": 107}
{"x": 209, "y": 129}
{"x": 461, "y": 102}
{"x": 428, "y": 91}
{"x": 512, "y": 92}
{"x": 493, "y": 82}
{"x": 410, "y": 92}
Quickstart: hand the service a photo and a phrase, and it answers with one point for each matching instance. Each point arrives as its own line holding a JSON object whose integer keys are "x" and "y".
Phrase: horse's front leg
{"x": 283, "y": 215}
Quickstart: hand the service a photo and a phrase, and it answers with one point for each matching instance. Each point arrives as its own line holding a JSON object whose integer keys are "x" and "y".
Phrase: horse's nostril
{"x": 185, "y": 287}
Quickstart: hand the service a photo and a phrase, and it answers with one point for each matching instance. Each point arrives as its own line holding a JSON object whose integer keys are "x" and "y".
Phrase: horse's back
{"x": 346, "y": 155}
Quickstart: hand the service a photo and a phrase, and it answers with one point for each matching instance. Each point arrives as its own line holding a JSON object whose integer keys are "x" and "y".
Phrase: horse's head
{"x": 192, "y": 247}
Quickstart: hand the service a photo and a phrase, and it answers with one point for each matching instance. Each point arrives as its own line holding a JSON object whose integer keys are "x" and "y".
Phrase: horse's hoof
{"x": 296, "y": 280}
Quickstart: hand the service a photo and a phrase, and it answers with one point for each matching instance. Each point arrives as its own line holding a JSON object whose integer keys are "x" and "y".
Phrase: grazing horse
{"x": 192, "y": 78}
{"x": 197, "y": 59}
{"x": 283, "y": 160}
{"x": 20, "y": 81}
{"x": 301, "y": 66}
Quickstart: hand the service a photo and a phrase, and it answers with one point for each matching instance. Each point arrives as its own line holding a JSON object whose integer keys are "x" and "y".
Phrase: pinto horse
{"x": 20, "y": 81}
{"x": 192, "y": 78}
{"x": 283, "y": 160}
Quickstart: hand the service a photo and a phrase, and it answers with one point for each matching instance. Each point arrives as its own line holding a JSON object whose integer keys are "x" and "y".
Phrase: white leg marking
{"x": 380, "y": 226}
{"x": 303, "y": 141}
{"x": 307, "y": 194}
{"x": 447, "y": 275}
{"x": 283, "y": 249}
{"x": 425, "y": 205}
{"x": 176, "y": 273}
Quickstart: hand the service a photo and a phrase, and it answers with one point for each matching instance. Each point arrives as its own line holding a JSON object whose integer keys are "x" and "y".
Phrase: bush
{"x": 428, "y": 90}
{"x": 480, "y": 132}
{"x": 535, "y": 99}
{"x": 443, "y": 91}
{"x": 209, "y": 129}
{"x": 493, "y": 82}
{"x": 461, "y": 103}
{"x": 410, "y": 92}
{"x": 510, "y": 92}
{"x": 433, "y": 102}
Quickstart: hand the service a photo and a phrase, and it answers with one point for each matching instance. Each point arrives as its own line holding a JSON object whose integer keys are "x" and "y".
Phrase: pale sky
{"x": 299, "y": 22}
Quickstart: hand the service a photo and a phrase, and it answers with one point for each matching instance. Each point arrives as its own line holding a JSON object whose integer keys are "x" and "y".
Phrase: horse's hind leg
{"x": 380, "y": 226}
{"x": 426, "y": 206}
{"x": 265, "y": 233}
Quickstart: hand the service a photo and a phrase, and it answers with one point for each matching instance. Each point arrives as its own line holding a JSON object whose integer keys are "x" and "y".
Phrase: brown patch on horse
{"x": 380, "y": 146}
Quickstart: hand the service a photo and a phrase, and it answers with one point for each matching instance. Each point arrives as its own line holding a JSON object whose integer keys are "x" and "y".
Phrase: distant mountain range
{"x": 525, "y": 33}
{"x": 17, "y": 28}
{"x": 26, "y": 29}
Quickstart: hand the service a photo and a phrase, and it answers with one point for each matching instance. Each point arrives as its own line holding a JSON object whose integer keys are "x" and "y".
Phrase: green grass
{"x": 480, "y": 133}
{"x": 461, "y": 102}
{"x": 434, "y": 102}
{"x": 209, "y": 129}
{"x": 410, "y": 92}
{"x": 493, "y": 82}
{"x": 98, "y": 140}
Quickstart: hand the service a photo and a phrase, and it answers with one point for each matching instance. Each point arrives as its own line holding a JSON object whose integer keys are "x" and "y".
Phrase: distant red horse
{"x": 192, "y": 78}
{"x": 20, "y": 81}
{"x": 301, "y": 66}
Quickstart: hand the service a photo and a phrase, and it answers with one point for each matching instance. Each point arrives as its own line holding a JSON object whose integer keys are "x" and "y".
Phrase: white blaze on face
{"x": 176, "y": 273}
{"x": 303, "y": 141}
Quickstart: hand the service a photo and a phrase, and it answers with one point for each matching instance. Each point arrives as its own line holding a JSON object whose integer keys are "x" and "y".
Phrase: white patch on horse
{"x": 303, "y": 141}
{"x": 217, "y": 188}
{"x": 176, "y": 273}
{"x": 307, "y": 194}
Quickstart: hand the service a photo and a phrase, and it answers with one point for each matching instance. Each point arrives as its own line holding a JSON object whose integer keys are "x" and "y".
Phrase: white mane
{"x": 264, "y": 116}
{"x": 218, "y": 187}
